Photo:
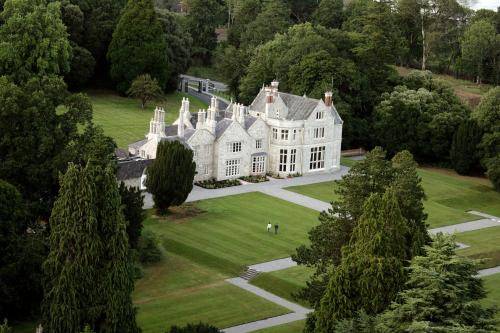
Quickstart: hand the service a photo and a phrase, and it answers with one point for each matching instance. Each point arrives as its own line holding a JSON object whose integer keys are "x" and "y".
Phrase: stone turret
{"x": 157, "y": 124}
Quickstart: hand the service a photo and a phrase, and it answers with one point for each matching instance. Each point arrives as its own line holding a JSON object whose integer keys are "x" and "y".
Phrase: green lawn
{"x": 231, "y": 233}
{"x": 123, "y": 119}
{"x": 492, "y": 284}
{"x": 484, "y": 244}
{"x": 285, "y": 283}
{"x": 205, "y": 72}
{"x": 295, "y": 327}
{"x": 178, "y": 291}
{"x": 449, "y": 196}
{"x": 207, "y": 242}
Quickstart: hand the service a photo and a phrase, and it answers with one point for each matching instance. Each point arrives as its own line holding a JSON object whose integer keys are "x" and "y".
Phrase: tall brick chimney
{"x": 328, "y": 98}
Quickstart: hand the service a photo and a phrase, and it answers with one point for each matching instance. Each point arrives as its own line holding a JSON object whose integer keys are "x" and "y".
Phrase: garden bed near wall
{"x": 255, "y": 179}
{"x": 213, "y": 184}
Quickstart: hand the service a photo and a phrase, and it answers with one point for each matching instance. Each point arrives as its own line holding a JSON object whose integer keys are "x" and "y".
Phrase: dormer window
{"x": 320, "y": 115}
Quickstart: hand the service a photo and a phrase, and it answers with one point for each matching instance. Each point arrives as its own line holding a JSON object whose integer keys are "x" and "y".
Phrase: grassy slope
{"x": 178, "y": 291}
{"x": 123, "y": 119}
{"x": 491, "y": 284}
{"x": 484, "y": 244}
{"x": 231, "y": 233}
{"x": 449, "y": 196}
{"x": 285, "y": 283}
{"x": 467, "y": 91}
{"x": 203, "y": 250}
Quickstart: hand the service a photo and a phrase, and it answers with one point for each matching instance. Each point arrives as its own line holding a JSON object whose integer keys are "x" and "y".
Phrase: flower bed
{"x": 213, "y": 184}
{"x": 273, "y": 175}
{"x": 255, "y": 179}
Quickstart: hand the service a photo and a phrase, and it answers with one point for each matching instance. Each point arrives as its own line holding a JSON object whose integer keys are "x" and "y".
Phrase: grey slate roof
{"x": 299, "y": 107}
{"x": 222, "y": 127}
{"x": 249, "y": 120}
{"x": 131, "y": 169}
{"x": 138, "y": 144}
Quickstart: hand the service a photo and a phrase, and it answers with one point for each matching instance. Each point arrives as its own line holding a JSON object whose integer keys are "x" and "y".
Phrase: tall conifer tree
{"x": 88, "y": 277}
{"x": 371, "y": 271}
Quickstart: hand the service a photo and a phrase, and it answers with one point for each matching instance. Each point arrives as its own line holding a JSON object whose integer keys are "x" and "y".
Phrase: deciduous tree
{"x": 33, "y": 40}
{"x": 170, "y": 176}
{"x": 477, "y": 44}
{"x": 329, "y": 13}
{"x": 145, "y": 88}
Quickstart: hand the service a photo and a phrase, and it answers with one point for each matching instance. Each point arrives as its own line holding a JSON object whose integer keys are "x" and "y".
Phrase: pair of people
{"x": 269, "y": 226}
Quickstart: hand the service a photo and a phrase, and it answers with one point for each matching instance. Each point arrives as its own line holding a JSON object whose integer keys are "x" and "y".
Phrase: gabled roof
{"x": 222, "y": 126}
{"x": 299, "y": 107}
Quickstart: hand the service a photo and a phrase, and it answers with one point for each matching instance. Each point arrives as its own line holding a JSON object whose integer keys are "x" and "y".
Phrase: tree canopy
{"x": 170, "y": 176}
{"x": 138, "y": 46}
{"x": 33, "y": 40}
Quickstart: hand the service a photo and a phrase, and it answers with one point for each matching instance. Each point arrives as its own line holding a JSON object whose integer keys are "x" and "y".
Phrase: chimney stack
{"x": 274, "y": 86}
{"x": 201, "y": 119}
{"x": 241, "y": 115}
{"x": 328, "y": 98}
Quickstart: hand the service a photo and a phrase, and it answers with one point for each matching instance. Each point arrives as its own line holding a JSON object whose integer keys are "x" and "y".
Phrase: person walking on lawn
{"x": 276, "y": 226}
{"x": 269, "y": 226}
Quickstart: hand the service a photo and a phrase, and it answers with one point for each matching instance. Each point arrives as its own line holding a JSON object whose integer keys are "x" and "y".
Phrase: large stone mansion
{"x": 279, "y": 133}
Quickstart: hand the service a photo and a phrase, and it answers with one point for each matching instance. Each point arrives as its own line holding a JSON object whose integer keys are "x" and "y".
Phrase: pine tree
{"x": 138, "y": 46}
{"x": 464, "y": 147}
{"x": 443, "y": 294}
{"x": 371, "y": 271}
{"x": 88, "y": 276}
{"x": 170, "y": 176}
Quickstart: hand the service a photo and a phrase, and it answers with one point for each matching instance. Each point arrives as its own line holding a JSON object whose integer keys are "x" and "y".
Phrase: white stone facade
{"x": 278, "y": 133}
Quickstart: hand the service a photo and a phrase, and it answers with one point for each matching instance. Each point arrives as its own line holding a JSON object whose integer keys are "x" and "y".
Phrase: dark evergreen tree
{"x": 99, "y": 21}
{"x": 463, "y": 152}
{"x": 132, "y": 200}
{"x": 372, "y": 175}
{"x": 170, "y": 176}
{"x": 138, "y": 46}
{"x": 178, "y": 46}
{"x": 493, "y": 171}
{"x": 411, "y": 196}
{"x": 371, "y": 271}
{"x": 88, "y": 278}
{"x": 201, "y": 21}
{"x": 443, "y": 294}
